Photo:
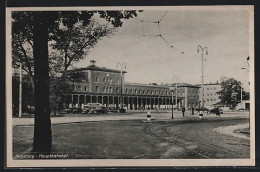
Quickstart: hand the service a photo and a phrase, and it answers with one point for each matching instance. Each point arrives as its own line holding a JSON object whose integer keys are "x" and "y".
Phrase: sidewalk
{"x": 133, "y": 116}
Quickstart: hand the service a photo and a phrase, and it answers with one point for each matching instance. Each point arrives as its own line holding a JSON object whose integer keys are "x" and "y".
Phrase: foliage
{"x": 230, "y": 92}
{"x": 44, "y": 25}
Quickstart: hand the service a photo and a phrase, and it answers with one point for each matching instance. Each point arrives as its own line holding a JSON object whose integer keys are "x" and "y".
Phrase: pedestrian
{"x": 217, "y": 112}
{"x": 192, "y": 110}
{"x": 183, "y": 111}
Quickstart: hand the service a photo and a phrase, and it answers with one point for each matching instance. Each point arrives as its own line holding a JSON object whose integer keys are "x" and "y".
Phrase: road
{"x": 163, "y": 138}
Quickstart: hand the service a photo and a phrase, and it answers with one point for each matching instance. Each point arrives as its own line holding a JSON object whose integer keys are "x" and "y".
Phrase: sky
{"x": 150, "y": 59}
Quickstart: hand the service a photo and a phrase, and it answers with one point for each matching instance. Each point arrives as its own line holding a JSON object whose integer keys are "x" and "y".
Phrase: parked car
{"x": 100, "y": 110}
{"x": 76, "y": 110}
{"x": 113, "y": 109}
{"x": 71, "y": 110}
{"x": 215, "y": 110}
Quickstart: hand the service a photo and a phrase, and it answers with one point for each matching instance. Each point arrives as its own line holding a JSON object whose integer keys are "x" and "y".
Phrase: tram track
{"x": 199, "y": 150}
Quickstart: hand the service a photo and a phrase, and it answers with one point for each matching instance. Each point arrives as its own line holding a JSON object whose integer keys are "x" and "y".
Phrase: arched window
{"x": 155, "y": 92}
{"x": 111, "y": 80}
{"x": 86, "y": 88}
{"x": 159, "y": 92}
{"x": 126, "y": 91}
{"x": 135, "y": 91}
{"x": 117, "y": 89}
{"x": 110, "y": 90}
{"x": 97, "y": 89}
{"x": 97, "y": 79}
{"x": 162, "y": 92}
{"x": 118, "y": 80}
{"x": 152, "y": 92}
{"x": 104, "y": 89}
{"x": 131, "y": 91}
{"x": 107, "y": 90}
{"x": 140, "y": 91}
{"x": 143, "y": 91}
{"x": 104, "y": 79}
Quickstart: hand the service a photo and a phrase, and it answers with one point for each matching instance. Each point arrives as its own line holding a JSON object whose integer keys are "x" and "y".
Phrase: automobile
{"x": 102, "y": 110}
{"x": 215, "y": 110}
{"x": 66, "y": 111}
{"x": 71, "y": 110}
{"x": 85, "y": 110}
{"x": 76, "y": 110}
{"x": 113, "y": 109}
{"x": 232, "y": 108}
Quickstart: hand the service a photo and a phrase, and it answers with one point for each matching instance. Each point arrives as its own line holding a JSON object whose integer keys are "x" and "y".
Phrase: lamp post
{"x": 20, "y": 92}
{"x": 172, "y": 104}
{"x": 247, "y": 69}
{"x": 205, "y": 49}
{"x": 121, "y": 82}
{"x": 176, "y": 87}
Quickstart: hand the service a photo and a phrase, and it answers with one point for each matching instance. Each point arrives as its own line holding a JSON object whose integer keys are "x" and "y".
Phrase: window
{"x": 152, "y": 92}
{"x": 143, "y": 91}
{"x": 131, "y": 91}
{"x": 159, "y": 92}
{"x": 162, "y": 92}
{"x": 110, "y": 90}
{"x": 183, "y": 93}
{"x": 126, "y": 91}
{"x": 179, "y": 93}
{"x": 135, "y": 91}
{"x": 97, "y": 89}
{"x": 155, "y": 92}
{"x": 111, "y": 81}
{"x": 79, "y": 88}
{"x": 104, "y": 89}
{"x": 107, "y": 79}
{"x": 107, "y": 90}
{"x": 140, "y": 92}
{"x": 147, "y": 91}
{"x": 86, "y": 88}
{"x": 75, "y": 87}
{"x": 166, "y": 92}
{"x": 104, "y": 79}
{"x": 117, "y": 89}
{"x": 118, "y": 80}
{"x": 97, "y": 79}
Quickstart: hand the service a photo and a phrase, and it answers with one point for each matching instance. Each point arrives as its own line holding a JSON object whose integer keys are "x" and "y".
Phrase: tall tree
{"x": 230, "y": 92}
{"x": 44, "y": 24}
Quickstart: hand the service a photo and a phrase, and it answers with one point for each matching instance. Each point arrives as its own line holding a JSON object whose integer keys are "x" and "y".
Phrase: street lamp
{"x": 176, "y": 87}
{"x": 121, "y": 82}
{"x": 205, "y": 49}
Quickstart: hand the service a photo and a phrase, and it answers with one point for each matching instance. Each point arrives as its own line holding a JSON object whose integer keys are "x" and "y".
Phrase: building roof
{"x": 95, "y": 68}
{"x": 146, "y": 85}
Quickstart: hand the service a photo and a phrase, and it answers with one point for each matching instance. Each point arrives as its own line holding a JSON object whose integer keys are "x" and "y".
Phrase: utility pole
{"x": 20, "y": 92}
{"x": 121, "y": 82}
{"x": 202, "y": 73}
{"x": 241, "y": 94}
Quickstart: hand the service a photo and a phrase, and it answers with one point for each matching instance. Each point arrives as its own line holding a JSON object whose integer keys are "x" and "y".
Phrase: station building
{"x": 102, "y": 85}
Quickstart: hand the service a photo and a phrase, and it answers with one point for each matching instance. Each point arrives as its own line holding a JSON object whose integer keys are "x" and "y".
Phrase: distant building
{"x": 102, "y": 85}
{"x": 211, "y": 96}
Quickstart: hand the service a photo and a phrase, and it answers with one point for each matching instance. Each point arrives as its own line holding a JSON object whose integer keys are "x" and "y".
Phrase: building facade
{"x": 211, "y": 96}
{"x": 102, "y": 85}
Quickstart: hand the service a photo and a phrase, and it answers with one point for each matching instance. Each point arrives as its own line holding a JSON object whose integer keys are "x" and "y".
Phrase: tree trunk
{"x": 42, "y": 124}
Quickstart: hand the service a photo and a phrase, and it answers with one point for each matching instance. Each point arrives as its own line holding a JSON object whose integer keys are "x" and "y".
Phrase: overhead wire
{"x": 159, "y": 30}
